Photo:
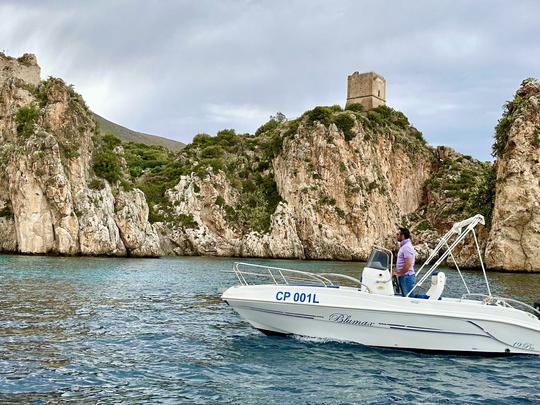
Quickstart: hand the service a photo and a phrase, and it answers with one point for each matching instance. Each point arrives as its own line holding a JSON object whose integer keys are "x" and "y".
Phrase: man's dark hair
{"x": 405, "y": 232}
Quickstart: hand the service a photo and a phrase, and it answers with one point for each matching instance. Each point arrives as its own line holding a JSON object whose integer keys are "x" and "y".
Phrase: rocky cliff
{"x": 337, "y": 196}
{"x": 327, "y": 185}
{"x": 514, "y": 240}
{"x": 51, "y": 201}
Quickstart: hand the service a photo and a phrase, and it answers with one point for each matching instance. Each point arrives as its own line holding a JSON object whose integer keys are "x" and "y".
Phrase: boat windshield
{"x": 379, "y": 259}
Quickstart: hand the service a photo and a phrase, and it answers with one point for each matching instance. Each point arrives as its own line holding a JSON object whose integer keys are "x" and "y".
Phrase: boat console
{"x": 377, "y": 275}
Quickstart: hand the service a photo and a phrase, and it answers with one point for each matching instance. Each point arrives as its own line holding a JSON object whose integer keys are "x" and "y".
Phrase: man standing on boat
{"x": 405, "y": 262}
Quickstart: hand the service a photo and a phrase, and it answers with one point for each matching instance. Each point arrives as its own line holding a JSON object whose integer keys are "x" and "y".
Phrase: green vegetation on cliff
{"x": 153, "y": 169}
{"x": 25, "y": 119}
{"x": 461, "y": 187}
{"x": 245, "y": 160}
{"x": 380, "y": 121}
{"x": 482, "y": 199}
{"x": 6, "y": 211}
{"x": 106, "y": 163}
{"x": 514, "y": 108}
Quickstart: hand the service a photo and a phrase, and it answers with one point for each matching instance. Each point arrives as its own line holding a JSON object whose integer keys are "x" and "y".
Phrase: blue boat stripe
{"x": 413, "y": 329}
{"x": 293, "y": 314}
{"x": 417, "y": 327}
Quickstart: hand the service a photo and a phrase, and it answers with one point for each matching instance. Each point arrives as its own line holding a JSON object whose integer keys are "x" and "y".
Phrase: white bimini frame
{"x": 446, "y": 245}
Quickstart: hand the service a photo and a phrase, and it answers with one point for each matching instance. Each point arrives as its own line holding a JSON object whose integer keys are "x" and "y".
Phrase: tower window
{"x": 379, "y": 93}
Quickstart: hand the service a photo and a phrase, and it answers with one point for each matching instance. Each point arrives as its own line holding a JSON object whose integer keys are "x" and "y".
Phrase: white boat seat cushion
{"x": 438, "y": 281}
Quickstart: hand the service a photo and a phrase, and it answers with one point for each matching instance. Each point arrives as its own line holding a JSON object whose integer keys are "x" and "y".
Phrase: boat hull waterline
{"x": 347, "y": 314}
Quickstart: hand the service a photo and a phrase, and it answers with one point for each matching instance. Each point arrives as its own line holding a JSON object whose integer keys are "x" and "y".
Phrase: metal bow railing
{"x": 249, "y": 274}
{"x": 502, "y": 302}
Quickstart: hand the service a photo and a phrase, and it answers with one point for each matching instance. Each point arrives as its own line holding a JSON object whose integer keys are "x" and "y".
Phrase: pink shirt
{"x": 406, "y": 251}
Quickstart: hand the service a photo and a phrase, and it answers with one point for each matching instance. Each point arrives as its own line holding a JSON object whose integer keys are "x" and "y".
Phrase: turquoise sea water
{"x": 98, "y": 330}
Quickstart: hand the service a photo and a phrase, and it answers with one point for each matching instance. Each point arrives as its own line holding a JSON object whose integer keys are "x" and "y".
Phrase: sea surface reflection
{"x": 88, "y": 330}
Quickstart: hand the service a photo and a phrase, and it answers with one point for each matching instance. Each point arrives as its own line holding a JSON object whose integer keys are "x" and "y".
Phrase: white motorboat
{"x": 368, "y": 311}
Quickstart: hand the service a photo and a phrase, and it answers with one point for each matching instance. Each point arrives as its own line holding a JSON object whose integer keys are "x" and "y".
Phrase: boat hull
{"x": 346, "y": 314}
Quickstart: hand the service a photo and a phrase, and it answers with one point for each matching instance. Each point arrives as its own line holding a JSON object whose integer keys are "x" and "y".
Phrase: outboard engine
{"x": 536, "y": 306}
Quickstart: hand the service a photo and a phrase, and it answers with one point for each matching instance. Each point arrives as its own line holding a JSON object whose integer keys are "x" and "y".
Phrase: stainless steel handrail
{"x": 310, "y": 276}
{"x": 490, "y": 299}
{"x": 274, "y": 281}
{"x": 289, "y": 275}
{"x": 459, "y": 231}
{"x": 344, "y": 276}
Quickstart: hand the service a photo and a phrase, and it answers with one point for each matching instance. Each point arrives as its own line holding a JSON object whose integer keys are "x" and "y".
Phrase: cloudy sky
{"x": 178, "y": 68}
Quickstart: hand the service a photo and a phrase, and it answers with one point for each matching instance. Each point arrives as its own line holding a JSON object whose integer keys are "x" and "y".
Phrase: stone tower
{"x": 24, "y": 68}
{"x": 368, "y": 89}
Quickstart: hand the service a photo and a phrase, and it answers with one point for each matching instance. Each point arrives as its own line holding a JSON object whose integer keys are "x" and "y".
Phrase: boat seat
{"x": 438, "y": 281}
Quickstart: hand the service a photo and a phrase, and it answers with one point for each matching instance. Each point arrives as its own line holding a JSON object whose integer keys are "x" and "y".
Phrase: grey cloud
{"x": 177, "y": 68}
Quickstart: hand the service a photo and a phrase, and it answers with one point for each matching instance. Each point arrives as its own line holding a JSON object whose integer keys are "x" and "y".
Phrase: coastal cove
{"x": 325, "y": 185}
{"x": 128, "y": 329}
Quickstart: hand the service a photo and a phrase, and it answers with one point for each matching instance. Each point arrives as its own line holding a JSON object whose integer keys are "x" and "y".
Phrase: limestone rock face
{"x": 8, "y": 237}
{"x": 514, "y": 240}
{"x": 99, "y": 234}
{"x": 202, "y": 227}
{"x": 132, "y": 220}
{"x": 282, "y": 242}
{"x": 46, "y": 149}
{"x": 339, "y": 198}
{"x": 347, "y": 196}
{"x": 41, "y": 199}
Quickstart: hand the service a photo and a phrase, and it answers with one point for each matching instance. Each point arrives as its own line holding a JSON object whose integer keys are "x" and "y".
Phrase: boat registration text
{"x": 297, "y": 297}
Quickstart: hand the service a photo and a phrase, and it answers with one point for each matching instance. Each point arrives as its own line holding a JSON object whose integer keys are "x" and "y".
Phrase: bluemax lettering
{"x": 344, "y": 318}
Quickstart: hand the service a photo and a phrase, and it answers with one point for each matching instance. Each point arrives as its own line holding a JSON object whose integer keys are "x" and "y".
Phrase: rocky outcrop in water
{"x": 342, "y": 189}
{"x": 514, "y": 239}
{"x": 347, "y": 195}
{"x": 52, "y": 201}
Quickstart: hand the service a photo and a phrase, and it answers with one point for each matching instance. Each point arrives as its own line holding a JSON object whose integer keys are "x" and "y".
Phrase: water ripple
{"x": 96, "y": 330}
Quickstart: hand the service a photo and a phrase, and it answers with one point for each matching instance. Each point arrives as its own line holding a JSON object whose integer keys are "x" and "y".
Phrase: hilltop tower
{"x": 368, "y": 89}
{"x": 24, "y": 68}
